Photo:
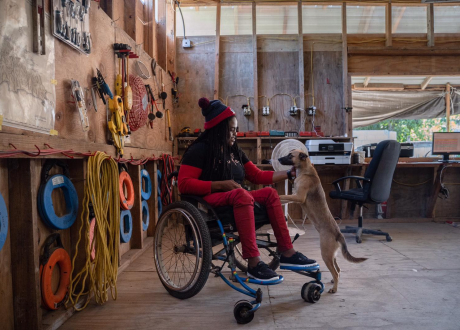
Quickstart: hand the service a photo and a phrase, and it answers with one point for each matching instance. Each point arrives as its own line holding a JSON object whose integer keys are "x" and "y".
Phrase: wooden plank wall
{"x": 6, "y": 281}
{"x": 278, "y": 73}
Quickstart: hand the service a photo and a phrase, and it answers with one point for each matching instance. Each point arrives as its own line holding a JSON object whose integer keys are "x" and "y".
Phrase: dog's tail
{"x": 345, "y": 252}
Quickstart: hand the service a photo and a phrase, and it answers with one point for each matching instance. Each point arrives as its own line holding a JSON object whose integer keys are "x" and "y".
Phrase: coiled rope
{"x": 102, "y": 194}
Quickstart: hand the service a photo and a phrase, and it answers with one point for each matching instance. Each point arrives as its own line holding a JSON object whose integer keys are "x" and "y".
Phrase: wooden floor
{"x": 410, "y": 283}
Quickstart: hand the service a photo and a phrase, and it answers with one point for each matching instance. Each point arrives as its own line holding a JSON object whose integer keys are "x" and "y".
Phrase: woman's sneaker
{"x": 297, "y": 259}
{"x": 262, "y": 272}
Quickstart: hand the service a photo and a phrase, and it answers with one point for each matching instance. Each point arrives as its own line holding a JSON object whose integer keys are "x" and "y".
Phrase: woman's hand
{"x": 223, "y": 186}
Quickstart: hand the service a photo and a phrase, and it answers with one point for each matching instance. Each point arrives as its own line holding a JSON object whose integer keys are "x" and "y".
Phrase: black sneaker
{"x": 262, "y": 272}
{"x": 297, "y": 259}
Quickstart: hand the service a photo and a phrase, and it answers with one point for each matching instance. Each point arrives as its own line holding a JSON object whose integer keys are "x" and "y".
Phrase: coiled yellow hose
{"x": 100, "y": 275}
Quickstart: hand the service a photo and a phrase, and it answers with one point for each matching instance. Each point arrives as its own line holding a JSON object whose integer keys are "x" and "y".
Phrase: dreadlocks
{"x": 217, "y": 165}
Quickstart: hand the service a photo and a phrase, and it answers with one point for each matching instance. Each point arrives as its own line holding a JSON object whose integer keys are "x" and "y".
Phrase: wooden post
{"x": 24, "y": 236}
{"x": 217, "y": 51}
{"x": 345, "y": 79}
{"x": 130, "y": 17}
{"x": 136, "y": 212}
{"x": 388, "y": 25}
{"x": 301, "y": 69}
{"x": 149, "y": 29}
{"x": 255, "y": 69}
{"x": 430, "y": 25}
{"x": 448, "y": 107}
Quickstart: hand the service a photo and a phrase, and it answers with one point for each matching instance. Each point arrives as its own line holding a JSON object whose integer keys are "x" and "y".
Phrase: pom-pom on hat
{"x": 214, "y": 112}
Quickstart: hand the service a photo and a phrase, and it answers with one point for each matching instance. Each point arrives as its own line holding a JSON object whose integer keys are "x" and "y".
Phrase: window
{"x": 447, "y": 19}
{"x": 236, "y": 20}
{"x": 199, "y": 21}
{"x": 365, "y": 19}
{"x": 321, "y": 19}
{"x": 277, "y": 19}
{"x": 411, "y": 19}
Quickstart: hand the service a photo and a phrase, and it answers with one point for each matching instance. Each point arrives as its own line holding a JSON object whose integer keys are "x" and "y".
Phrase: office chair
{"x": 373, "y": 188}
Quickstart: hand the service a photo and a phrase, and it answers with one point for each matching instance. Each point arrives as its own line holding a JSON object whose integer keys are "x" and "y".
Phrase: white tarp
{"x": 27, "y": 95}
{"x": 370, "y": 107}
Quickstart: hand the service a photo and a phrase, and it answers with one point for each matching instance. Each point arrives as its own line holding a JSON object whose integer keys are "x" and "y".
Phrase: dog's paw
{"x": 332, "y": 290}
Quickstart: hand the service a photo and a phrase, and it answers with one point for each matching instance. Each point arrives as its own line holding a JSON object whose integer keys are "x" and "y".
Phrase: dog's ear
{"x": 303, "y": 156}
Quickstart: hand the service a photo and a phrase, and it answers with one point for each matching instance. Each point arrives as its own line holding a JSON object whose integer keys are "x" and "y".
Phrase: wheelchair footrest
{"x": 261, "y": 282}
{"x": 306, "y": 268}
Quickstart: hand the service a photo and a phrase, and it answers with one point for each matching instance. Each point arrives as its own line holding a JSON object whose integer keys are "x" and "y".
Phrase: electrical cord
{"x": 443, "y": 191}
{"x": 180, "y": 10}
{"x": 102, "y": 196}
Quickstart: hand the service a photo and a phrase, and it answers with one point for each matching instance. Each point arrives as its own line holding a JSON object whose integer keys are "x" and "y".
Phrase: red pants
{"x": 243, "y": 210}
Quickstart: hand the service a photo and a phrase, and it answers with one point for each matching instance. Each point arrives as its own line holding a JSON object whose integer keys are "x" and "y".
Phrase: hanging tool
{"x": 151, "y": 115}
{"x": 175, "y": 81}
{"x": 158, "y": 114}
{"x": 128, "y": 99}
{"x": 168, "y": 117}
{"x": 80, "y": 103}
{"x": 163, "y": 96}
{"x": 93, "y": 97}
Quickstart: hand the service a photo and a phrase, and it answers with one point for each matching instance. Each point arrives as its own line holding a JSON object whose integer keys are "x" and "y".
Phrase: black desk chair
{"x": 374, "y": 188}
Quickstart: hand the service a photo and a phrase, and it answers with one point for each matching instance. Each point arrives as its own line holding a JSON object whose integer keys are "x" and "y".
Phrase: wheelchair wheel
{"x": 266, "y": 255}
{"x": 182, "y": 250}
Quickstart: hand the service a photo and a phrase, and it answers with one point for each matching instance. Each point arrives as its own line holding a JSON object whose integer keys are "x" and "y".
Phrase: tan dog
{"x": 309, "y": 193}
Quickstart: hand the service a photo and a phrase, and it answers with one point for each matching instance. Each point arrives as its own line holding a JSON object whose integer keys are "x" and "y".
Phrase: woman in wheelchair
{"x": 214, "y": 167}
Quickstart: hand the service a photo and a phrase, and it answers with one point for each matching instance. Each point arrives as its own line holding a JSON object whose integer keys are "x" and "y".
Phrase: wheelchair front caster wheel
{"x": 358, "y": 239}
{"x": 241, "y": 312}
{"x": 311, "y": 292}
{"x": 389, "y": 239}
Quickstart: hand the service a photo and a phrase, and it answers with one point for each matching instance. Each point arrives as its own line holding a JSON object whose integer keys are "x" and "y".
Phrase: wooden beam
{"x": 368, "y": 22}
{"x": 136, "y": 212}
{"x": 425, "y": 82}
{"x": 149, "y": 28}
{"x": 28, "y": 142}
{"x": 378, "y": 87}
{"x": 394, "y": 51}
{"x": 398, "y": 20}
{"x": 345, "y": 77}
{"x": 254, "y": 67}
{"x": 301, "y": 103}
{"x": 161, "y": 35}
{"x": 388, "y": 25}
{"x": 430, "y": 25}
{"x": 171, "y": 38}
{"x": 448, "y": 107}
{"x": 366, "y": 81}
{"x": 403, "y": 65}
{"x": 217, "y": 51}
{"x": 130, "y": 14}
{"x": 25, "y": 241}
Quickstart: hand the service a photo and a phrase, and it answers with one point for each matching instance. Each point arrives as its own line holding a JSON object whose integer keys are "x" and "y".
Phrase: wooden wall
{"x": 278, "y": 73}
{"x": 6, "y": 282}
{"x": 73, "y": 65}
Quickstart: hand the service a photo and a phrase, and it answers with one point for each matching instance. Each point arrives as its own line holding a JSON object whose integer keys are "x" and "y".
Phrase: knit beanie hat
{"x": 214, "y": 112}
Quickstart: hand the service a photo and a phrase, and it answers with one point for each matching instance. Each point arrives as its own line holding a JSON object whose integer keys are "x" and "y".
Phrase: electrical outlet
{"x": 265, "y": 111}
{"x": 293, "y": 111}
{"x": 311, "y": 111}
{"x": 186, "y": 43}
{"x": 246, "y": 110}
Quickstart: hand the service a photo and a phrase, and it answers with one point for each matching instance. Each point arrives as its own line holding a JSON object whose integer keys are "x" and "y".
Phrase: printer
{"x": 407, "y": 149}
{"x": 323, "y": 152}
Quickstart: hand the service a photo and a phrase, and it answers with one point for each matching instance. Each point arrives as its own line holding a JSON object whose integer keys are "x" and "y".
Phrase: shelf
{"x": 340, "y": 138}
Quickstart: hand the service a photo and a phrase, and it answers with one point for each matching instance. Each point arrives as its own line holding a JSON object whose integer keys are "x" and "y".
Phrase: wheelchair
{"x": 187, "y": 239}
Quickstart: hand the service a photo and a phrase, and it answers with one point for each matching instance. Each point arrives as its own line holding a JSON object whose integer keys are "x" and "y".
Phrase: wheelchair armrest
{"x": 357, "y": 178}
